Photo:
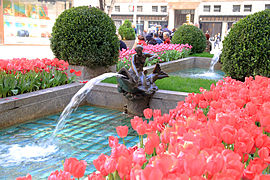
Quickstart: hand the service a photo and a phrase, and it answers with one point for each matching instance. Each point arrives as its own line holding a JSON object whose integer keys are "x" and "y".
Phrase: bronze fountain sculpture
{"x": 136, "y": 85}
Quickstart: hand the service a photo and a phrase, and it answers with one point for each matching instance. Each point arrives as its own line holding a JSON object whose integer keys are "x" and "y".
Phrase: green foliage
{"x": 189, "y": 34}
{"x": 203, "y": 54}
{"x": 246, "y": 49}
{"x": 85, "y": 36}
{"x": 126, "y": 31}
{"x": 16, "y": 82}
{"x": 176, "y": 83}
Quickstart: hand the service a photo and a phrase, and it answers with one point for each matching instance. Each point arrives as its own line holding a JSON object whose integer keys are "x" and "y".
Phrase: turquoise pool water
{"x": 85, "y": 136}
{"x": 199, "y": 73}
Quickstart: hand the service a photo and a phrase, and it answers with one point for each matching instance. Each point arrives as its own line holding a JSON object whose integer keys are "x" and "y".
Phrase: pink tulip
{"x": 27, "y": 177}
{"x": 75, "y": 167}
{"x": 122, "y": 131}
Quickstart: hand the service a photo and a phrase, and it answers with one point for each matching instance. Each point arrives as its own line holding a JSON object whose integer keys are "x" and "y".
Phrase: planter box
{"x": 88, "y": 73}
{"x": 129, "y": 43}
{"x": 29, "y": 106}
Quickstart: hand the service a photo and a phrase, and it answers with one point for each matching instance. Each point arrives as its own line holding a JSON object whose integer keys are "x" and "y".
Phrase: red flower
{"x": 72, "y": 71}
{"x": 27, "y": 177}
{"x": 60, "y": 175}
{"x": 139, "y": 156}
{"x": 96, "y": 176}
{"x": 99, "y": 164}
{"x": 148, "y": 113}
{"x": 75, "y": 167}
{"x": 78, "y": 73}
{"x": 122, "y": 131}
{"x": 113, "y": 141}
{"x": 263, "y": 153}
{"x": 228, "y": 134}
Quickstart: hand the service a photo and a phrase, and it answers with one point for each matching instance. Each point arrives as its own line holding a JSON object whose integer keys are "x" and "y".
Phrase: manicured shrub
{"x": 85, "y": 36}
{"x": 126, "y": 31}
{"x": 189, "y": 34}
{"x": 246, "y": 49}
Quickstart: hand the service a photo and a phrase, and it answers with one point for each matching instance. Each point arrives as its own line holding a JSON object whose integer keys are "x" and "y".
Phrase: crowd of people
{"x": 154, "y": 35}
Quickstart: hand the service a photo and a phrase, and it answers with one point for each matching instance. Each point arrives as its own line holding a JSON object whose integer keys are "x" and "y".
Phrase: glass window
{"x": 247, "y": 8}
{"x": 267, "y": 6}
{"x": 217, "y": 8}
{"x": 139, "y": 9}
{"x": 154, "y": 9}
{"x": 117, "y": 8}
{"x": 163, "y": 8}
{"x": 236, "y": 8}
{"x": 206, "y": 8}
{"x": 31, "y": 22}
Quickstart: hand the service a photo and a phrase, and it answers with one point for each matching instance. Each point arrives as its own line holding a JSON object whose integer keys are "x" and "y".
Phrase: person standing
{"x": 158, "y": 40}
{"x": 166, "y": 37}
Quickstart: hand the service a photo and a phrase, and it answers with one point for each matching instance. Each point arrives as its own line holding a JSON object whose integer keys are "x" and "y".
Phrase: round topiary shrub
{"x": 126, "y": 31}
{"x": 246, "y": 49}
{"x": 85, "y": 36}
{"x": 189, "y": 34}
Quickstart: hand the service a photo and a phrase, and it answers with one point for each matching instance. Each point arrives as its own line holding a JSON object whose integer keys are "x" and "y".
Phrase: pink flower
{"x": 27, "y": 177}
{"x": 139, "y": 156}
{"x": 75, "y": 167}
{"x": 122, "y": 131}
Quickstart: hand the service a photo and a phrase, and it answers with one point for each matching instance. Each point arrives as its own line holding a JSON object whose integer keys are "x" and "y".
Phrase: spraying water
{"x": 77, "y": 99}
{"x": 41, "y": 151}
{"x": 214, "y": 60}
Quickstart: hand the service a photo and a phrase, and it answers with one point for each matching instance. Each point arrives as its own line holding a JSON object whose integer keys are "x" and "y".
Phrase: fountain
{"x": 136, "y": 85}
{"x": 39, "y": 151}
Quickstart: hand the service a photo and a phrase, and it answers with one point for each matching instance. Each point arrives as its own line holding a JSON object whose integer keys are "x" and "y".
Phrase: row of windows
{"x": 235, "y": 8}
{"x": 140, "y": 8}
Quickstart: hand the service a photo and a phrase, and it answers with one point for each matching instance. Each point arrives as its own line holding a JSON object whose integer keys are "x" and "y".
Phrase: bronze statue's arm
{"x": 150, "y": 56}
{"x": 133, "y": 67}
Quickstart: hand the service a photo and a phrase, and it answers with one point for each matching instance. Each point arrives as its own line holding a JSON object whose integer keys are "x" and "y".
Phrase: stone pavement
{"x": 30, "y": 52}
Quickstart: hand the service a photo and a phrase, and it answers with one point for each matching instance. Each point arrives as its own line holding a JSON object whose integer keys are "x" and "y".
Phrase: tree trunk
{"x": 101, "y": 5}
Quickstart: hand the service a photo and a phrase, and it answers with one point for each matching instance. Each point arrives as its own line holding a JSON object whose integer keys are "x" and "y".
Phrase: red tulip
{"x": 148, "y": 113}
{"x": 60, "y": 175}
{"x": 72, "y": 71}
{"x": 27, "y": 177}
{"x": 96, "y": 176}
{"x": 122, "y": 131}
{"x": 139, "y": 156}
{"x": 263, "y": 153}
{"x": 113, "y": 141}
{"x": 78, "y": 73}
{"x": 99, "y": 164}
{"x": 228, "y": 134}
{"x": 75, "y": 167}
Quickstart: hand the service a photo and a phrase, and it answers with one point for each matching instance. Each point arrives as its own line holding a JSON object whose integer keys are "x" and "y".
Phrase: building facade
{"x": 29, "y": 22}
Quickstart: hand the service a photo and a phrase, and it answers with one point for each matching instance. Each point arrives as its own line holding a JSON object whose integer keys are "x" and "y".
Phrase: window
{"x": 117, "y": 8}
{"x": 267, "y": 6}
{"x": 217, "y": 8}
{"x": 236, "y": 8}
{"x": 206, "y": 8}
{"x": 163, "y": 8}
{"x": 139, "y": 9}
{"x": 154, "y": 9}
{"x": 247, "y": 8}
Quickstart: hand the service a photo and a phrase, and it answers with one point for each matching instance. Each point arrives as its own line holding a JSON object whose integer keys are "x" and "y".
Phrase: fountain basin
{"x": 29, "y": 106}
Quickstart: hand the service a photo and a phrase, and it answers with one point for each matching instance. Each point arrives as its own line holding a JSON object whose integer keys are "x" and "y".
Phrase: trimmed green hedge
{"x": 189, "y": 34}
{"x": 126, "y": 31}
{"x": 246, "y": 49}
{"x": 85, "y": 36}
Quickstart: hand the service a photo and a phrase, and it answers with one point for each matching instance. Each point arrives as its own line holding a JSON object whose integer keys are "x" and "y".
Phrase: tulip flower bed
{"x": 18, "y": 76}
{"x": 218, "y": 134}
{"x": 165, "y": 53}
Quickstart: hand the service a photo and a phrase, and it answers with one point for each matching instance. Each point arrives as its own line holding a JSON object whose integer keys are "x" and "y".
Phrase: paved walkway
{"x": 30, "y": 52}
